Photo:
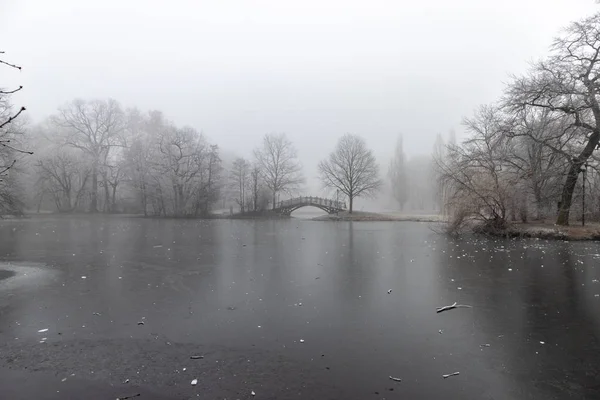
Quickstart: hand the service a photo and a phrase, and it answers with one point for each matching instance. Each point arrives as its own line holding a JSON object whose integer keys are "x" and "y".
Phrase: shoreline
{"x": 533, "y": 230}
{"x": 547, "y": 231}
{"x": 359, "y": 216}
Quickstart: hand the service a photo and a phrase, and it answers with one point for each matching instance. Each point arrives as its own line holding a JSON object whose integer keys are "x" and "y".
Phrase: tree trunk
{"x": 113, "y": 203}
{"x": 537, "y": 195}
{"x": 513, "y": 211}
{"x": 39, "y": 205}
{"x": 68, "y": 200}
{"x": 523, "y": 210}
{"x": 567, "y": 194}
{"x": 181, "y": 206}
{"x": 144, "y": 199}
{"x": 94, "y": 199}
{"x": 255, "y": 199}
{"x": 274, "y": 199}
{"x": 572, "y": 175}
{"x": 106, "y": 194}
{"x": 351, "y": 203}
{"x": 209, "y": 195}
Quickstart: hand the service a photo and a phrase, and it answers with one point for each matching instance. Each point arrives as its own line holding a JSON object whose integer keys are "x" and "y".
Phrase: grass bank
{"x": 372, "y": 217}
{"x": 544, "y": 230}
{"x": 255, "y": 215}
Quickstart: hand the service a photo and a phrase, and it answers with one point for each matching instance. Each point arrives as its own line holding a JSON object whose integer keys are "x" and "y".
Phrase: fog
{"x": 274, "y": 199}
{"x": 237, "y": 70}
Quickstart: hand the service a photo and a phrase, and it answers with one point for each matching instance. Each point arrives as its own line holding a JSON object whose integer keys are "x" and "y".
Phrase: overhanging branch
{"x": 11, "y": 91}
{"x": 12, "y": 118}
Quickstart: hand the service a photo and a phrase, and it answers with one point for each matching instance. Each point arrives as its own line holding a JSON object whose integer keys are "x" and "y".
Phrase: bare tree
{"x": 142, "y": 156}
{"x": 210, "y": 182}
{"x": 239, "y": 177}
{"x": 351, "y": 168}
{"x": 279, "y": 164}
{"x": 488, "y": 176}
{"x": 566, "y": 84}
{"x": 182, "y": 152}
{"x": 422, "y": 186}
{"x": 541, "y": 150}
{"x": 397, "y": 175}
{"x": 64, "y": 176}
{"x": 92, "y": 127}
{"x": 438, "y": 155}
{"x": 10, "y": 151}
{"x": 113, "y": 177}
{"x": 255, "y": 186}
{"x": 7, "y": 116}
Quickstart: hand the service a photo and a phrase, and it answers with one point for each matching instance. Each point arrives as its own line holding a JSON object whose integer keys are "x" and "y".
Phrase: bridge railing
{"x": 308, "y": 200}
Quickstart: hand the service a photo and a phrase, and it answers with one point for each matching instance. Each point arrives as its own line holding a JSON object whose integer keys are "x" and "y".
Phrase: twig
{"x": 129, "y": 397}
{"x": 455, "y": 305}
{"x": 9, "y": 64}
{"x": 7, "y": 168}
{"x": 395, "y": 379}
{"x": 11, "y": 91}
{"x": 449, "y": 375}
{"x": 4, "y": 144}
{"x": 9, "y": 120}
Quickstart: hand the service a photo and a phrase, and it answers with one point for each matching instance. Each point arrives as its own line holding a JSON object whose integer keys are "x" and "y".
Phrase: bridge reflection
{"x": 330, "y": 206}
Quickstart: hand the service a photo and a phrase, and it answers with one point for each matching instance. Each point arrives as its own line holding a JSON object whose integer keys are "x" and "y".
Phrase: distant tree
{"x": 63, "y": 176}
{"x": 452, "y": 138}
{"x": 541, "y": 152}
{"x": 255, "y": 185}
{"x": 439, "y": 154}
{"x": 397, "y": 175}
{"x": 278, "y": 160}
{"x": 239, "y": 180}
{"x": 351, "y": 168}
{"x": 566, "y": 84}
{"x": 113, "y": 176}
{"x": 182, "y": 154}
{"x": 94, "y": 128}
{"x": 477, "y": 180}
{"x": 210, "y": 182}
{"x": 143, "y": 166}
{"x": 422, "y": 187}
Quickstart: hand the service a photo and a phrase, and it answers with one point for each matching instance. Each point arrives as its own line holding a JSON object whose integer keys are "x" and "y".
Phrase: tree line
{"x": 530, "y": 154}
{"x": 351, "y": 169}
{"x": 96, "y": 156}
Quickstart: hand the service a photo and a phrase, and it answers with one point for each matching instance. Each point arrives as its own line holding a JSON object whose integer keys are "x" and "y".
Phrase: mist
{"x": 236, "y": 71}
{"x": 268, "y": 199}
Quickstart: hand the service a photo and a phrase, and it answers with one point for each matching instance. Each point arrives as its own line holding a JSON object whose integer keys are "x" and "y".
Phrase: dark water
{"x": 317, "y": 292}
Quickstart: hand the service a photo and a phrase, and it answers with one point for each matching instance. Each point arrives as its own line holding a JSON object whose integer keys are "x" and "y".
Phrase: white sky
{"x": 313, "y": 69}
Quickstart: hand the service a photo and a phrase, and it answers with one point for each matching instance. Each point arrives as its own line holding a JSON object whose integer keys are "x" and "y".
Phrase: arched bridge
{"x": 286, "y": 207}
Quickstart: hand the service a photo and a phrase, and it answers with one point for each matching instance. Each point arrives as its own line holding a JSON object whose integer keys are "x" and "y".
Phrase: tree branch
{"x": 11, "y": 91}
{"x": 12, "y": 118}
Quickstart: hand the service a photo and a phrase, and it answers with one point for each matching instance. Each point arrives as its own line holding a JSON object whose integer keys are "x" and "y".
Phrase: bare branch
{"x": 11, "y": 91}
{"x": 282, "y": 172}
{"x": 12, "y": 118}
{"x": 8, "y": 167}
{"x": 351, "y": 168}
{"x": 10, "y": 65}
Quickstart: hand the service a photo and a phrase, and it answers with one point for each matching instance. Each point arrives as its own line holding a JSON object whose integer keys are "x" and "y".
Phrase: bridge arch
{"x": 286, "y": 207}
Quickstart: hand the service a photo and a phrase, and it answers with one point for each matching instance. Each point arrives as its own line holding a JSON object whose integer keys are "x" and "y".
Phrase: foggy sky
{"x": 313, "y": 69}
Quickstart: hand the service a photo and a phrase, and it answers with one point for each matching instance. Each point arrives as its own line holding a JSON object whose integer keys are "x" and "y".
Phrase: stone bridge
{"x": 286, "y": 207}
